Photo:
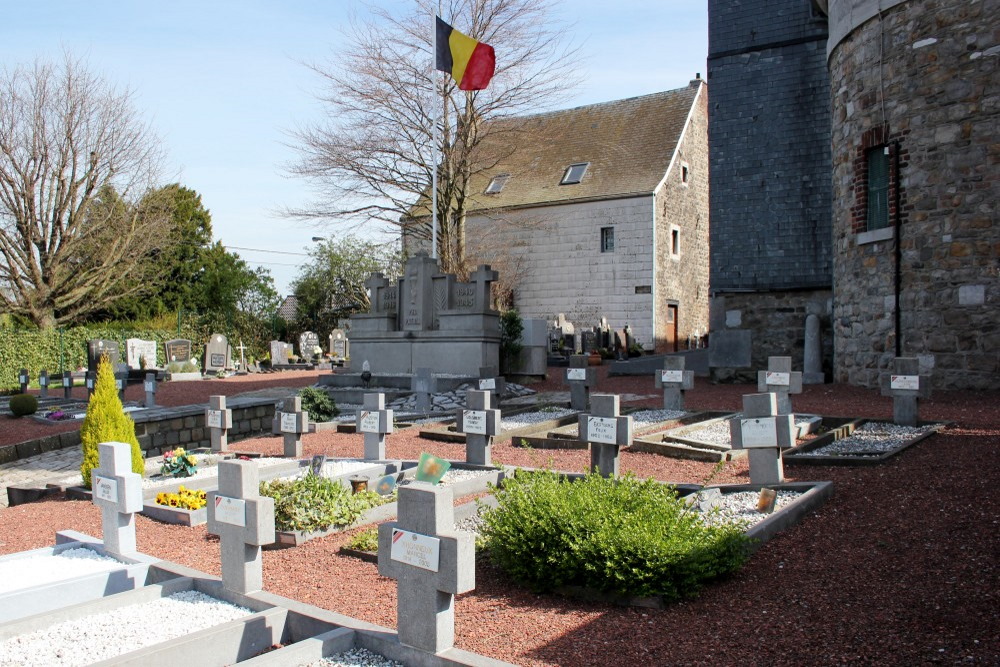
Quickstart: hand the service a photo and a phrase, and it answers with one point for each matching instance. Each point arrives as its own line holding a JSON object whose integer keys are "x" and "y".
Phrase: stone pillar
{"x": 479, "y": 424}
{"x": 43, "y": 383}
{"x": 375, "y": 421}
{"x": 292, "y": 422}
{"x": 67, "y": 383}
{"x": 150, "y": 386}
{"x": 906, "y": 386}
{"x": 607, "y": 432}
{"x": 581, "y": 378}
{"x": 218, "y": 421}
{"x": 674, "y": 381}
{"x": 431, "y": 563}
{"x": 117, "y": 491}
{"x": 780, "y": 380}
{"x": 244, "y": 522}
{"x": 423, "y": 385}
{"x": 763, "y": 432}
{"x": 812, "y": 367}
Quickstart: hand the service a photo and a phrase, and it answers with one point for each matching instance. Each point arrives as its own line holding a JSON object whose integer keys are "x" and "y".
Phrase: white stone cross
{"x": 763, "y": 432}
{"x": 906, "y": 386}
{"x": 375, "y": 421}
{"x": 67, "y": 383}
{"x": 43, "y": 384}
{"x": 431, "y": 563}
{"x": 291, "y": 422}
{"x": 118, "y": 492}
{"x": 24, "y": 378}
{"x": 91, "y": 381}
{"x": 479, "y": 424}
{"x": 607, "y": 432}
{"x": 243, "y": 360}
{"x": 121, "y": 381}
{"x": 780, "y": 379}
{"x": 674, "y": 381}
{"x": 218, "y": 421}
{"x": 581, "y": 378}
{"x": 244, "y": 522}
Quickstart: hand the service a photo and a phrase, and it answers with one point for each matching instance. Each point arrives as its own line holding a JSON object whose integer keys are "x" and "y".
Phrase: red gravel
{"x": 900, "y": 567}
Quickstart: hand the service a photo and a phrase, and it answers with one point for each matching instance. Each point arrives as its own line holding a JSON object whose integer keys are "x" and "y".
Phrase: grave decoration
{"x": 186, "y": 499}
{"x": 607, "y": 432}
{"x": 431, "y": 469}
{"x": 313, "y": 503}
{"x": 292, "y": 422}
{"x": 178, "y": 463}
{"x": 763, "y": 433}
{"x": 117, "y": 491}
{"x": 218, "y": 421}
{"x": 385, "y": 485}
{"x": 316, "y": 464}
{"x": 479, "y": 423}
{"x": 907, "y": 386}
{"x": 375, "y": 422}
{"x": 244, "y": 522}
{"x": 780, "y": 379}
{"x": 674, "y": 381}
{"x": 581, "y": 378}
{"x": 431, "y": 563}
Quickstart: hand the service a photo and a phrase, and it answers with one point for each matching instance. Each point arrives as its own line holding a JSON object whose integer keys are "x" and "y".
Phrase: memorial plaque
{"x": 489, "y": 384}
{"x": 671, "y": 376}
{"x": 602, "y": 429}
{"x": 231, "y": 510}
{"x": 288, "y": 422}
{"x": 759, "y": 432}
{"x": 369, "y": 421}
{"x": 576, "y": 373}
{"x": 149, "y": 386}
{"x": 416, "y": 549}
{"x": 213, "y": 419}
{"x": 104, "y": 488}
{"x": 905, "y": 382}
{"x": 776, "y": 379}
{"x": 474, "y": 421}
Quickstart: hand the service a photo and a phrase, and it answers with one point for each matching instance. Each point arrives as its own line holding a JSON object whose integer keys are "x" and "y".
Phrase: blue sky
{"x": 222, "y": 83}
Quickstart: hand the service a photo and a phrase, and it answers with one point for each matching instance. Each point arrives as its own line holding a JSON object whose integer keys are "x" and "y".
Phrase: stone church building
{"x": 602, "y": 211}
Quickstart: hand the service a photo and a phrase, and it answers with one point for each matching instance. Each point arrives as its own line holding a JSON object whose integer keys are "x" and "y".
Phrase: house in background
{"x": 602, "y": 211}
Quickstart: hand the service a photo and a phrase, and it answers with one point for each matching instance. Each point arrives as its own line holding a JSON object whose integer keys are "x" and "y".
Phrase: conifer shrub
{"x": 319, "y": 404}
{"x": 624, "y": 536}
{"x": 22, "y": 405}
{"x": 106, "y": 421}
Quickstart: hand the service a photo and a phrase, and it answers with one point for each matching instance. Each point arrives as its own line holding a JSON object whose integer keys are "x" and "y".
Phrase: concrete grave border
{"x": 794, "y": 455}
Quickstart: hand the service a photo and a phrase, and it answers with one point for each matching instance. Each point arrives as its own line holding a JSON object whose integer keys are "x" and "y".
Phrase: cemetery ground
{"x": 898, "y": 567}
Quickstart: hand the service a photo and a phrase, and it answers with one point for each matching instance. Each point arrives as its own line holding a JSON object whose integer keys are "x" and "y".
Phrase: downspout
{"x": 897, "y": 277}
{"x": 653, "y": 291}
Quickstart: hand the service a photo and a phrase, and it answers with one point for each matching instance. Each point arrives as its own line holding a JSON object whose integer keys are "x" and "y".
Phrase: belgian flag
{"x": 468, "y": 60}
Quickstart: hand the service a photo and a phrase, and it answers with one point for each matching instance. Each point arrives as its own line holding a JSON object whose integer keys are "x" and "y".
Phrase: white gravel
{"x": 717, "y": 433}
{"x": 208, "y": 466}
{"x": 741, "y": 508}
{"x": 333, "y": 469}
{"x": 641, "y": 419}
{"x": 453, "y": 476}
{"x": 109, "y": 634}
{"x": 19, "y": 573}
{"x": 356, "y": 657}
{"x": 870, "y": 439}
{"x": 530, "y": 418}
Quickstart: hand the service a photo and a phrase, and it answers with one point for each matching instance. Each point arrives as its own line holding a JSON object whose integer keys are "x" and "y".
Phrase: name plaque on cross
{"x": 149, "y": 386}
{"x": 488, "y": 385}
{"x": 905, "y": 382}
{"x": 415, "y": 549}
{"x": 671, "y": 376}
{"x": 759, "y": 432}
{"x": 777, "y": 379}
{"x": 231, "y": 510}
{"x": 603, "y": 429}
{"x": 576, "y": 373}
{"x": 68, "y": 382}
{"x": 104, "y": 488}
{"x": 213, "y": 419}
{"x": 90, "y": 383}
{"x": 288, "y": 422}
{"x": 369, "y": 421}
{"x": 474, "y": 421}
{"x": 120, "y": 383}
{"x": 23, "y": 378}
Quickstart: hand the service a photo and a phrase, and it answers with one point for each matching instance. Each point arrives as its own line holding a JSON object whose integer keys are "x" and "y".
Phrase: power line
{"x": 250, "y": 261}
{"x": 274, "y": 252}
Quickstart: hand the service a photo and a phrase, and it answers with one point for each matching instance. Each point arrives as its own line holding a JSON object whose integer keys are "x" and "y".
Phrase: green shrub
{"x": 312, "y": 503}
{"x": 366, "y": 540}
{"x": 182, "y": 367}
{"x": 106, "y": 421}
{"x": 511, "y": 329}
{"x": 320, "y": 406}
{"x": 23, "y": 404}
{"x": 625, "y": 536}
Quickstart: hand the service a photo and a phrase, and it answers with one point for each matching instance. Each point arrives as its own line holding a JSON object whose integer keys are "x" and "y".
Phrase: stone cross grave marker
{"x": 491, "y": 381}
{"x": 581, "y": 378}
{"x": 24, "y": 379}
{"x": 244, "y": 522}
{"x": 763, "y": 431}
{"x": 483, "y": 276}
{"x": 67, "y": 383}
{"x": 218, "y": 354}
{"x": 121, "y": 382}
{"x": 906, "y": 386}
{"x": 431, "y": 563}
{"x": 607, "y": 432}
{"x": 149, "y": 385}
{"x": 218, "y": 421}
{"x": 291, "y": 423}
{"x": 90, "y": 380}
{"x": 375, "y": 421}
{"x": 117, "y": 491}
{"x": 423, "y": 385}
{"x": 780, "y": 379}
{"x": 43, "y": 383}
{"x": 479, "y": 424}
{"x": 674, "y": 381}
{"x": 243, "y": 357}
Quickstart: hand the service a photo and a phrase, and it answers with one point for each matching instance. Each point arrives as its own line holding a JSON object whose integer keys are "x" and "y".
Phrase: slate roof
{"x": 628, "y": 143}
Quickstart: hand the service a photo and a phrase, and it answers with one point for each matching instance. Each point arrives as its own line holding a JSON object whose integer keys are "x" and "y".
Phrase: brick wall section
{"x": 684, "y": 277}
{"x": 769, "y": 142}
{"x": 940, "y": 63}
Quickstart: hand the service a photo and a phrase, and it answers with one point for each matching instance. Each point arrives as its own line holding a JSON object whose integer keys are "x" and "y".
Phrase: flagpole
{"x": 435, "y": 140}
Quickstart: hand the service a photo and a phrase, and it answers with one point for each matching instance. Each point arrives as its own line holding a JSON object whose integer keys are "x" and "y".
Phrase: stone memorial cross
{"x": 479, "y": 424}
{"x": 674, "y": 381}
{"x": 218, "y": 421}
{"x": 375, "y": 421}
{"x": 43, "y": 384}
{"x": 117, "y": 491}
{"x": 607, "y": 432}
{"x": 581, "y": 378}
{"x": 149, "y": 384}
{"x": 121, "y": 381}
{"x": 763, "y": 431}
{"x": 244, "y": 522}
{"x": 292, "y": 421}
{"x": 67, "y": 383}
{"x": 906, "y": 386}
{"x": 90, "y": 380}
{"x": 423, "y": 385}
{"x": 24, "y": 378}
{"x": 780, "y": 379}
{"x": 431, "y": 563}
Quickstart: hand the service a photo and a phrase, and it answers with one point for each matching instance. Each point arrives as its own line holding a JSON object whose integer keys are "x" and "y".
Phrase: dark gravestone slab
{"x": 96, "y": 348}
{"x": 177, "y": 350}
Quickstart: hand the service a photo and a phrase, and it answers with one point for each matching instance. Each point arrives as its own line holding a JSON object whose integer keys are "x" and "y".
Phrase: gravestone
{"x": 375, "y": 421}
{"x": 674, "y": 381}
{"x": 279, "y": 352}
{"x": 581, "y": 378}
{"x": 43, "y": 383}
{"x": 24, "y": 378}
{"x": 490, "y": 380}
{"x": 423, "y": 384}
{"x": 140, "y": 353}
{"x": 479, "y": 423}
{"x": 763, "y": 432}
{"x": 149, "y": 385}
{"x": 339, "y": 345}
{"x": 431, "y": 563}
{"x": 292, "y": 422}
{"x": 244, "y": 522}
{"x": 812, "y": 366}
{"x": 218, "y": 354}
{"x": 607, "y": 432}
{"x": 588, "y": 341}
{"x": 90, "y": 380}
{"x": 117, "y": 491}
{"x": 67, "y": 384}
{"x": 98, "y": 347}
{"x": 177, "y": 350}
{"x": 906, "y": 386}
{"x": 780, "y": 379}
{"x": 218, "y": 421}
{"x": 308, "y": 342}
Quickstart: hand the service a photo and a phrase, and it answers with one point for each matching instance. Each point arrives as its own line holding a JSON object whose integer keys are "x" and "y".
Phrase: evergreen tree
{"x": 106, "y": 421}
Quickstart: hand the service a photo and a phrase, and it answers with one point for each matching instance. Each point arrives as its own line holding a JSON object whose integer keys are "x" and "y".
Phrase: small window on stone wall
{"x": 878, "y": 188}
{"x": 607, "y": 239}
{"x": 675, "y": 241}
{"x": 685, "y": 173}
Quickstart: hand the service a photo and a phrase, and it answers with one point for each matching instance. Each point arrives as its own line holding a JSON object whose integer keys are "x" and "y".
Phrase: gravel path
{"x": 44, "y": 569}
{"x": 870, "y": 439}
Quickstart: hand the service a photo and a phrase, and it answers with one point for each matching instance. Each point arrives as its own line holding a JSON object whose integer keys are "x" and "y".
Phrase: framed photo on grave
{"x": 431, "y": 469}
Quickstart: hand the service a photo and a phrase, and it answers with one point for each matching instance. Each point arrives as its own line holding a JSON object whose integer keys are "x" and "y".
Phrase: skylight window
{"x": 574, "y": 173}
{"x": 496, "y": 185}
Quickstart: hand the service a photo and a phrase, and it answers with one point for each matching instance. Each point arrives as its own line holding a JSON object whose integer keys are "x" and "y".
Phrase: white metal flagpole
{"x": 434, "y": 152}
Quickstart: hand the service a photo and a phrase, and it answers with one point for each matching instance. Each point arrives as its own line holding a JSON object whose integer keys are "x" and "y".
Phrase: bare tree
{"x": 372, "y": 159}
{"x": 75, "y": 161}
